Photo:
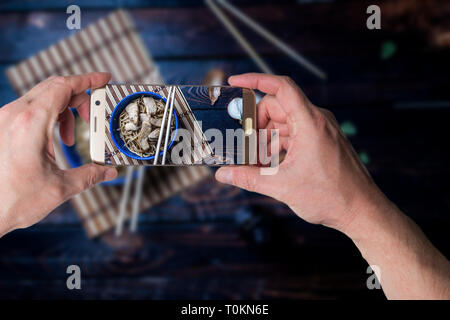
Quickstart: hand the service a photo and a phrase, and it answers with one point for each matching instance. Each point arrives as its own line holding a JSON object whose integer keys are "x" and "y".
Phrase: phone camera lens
{"x": 97, "y": 102}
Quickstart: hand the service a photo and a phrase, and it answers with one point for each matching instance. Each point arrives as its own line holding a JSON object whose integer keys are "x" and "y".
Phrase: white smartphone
{"x": 133, "y": 124}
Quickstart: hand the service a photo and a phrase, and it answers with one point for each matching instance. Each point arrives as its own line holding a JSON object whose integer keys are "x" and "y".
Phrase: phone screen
{"x": 179, "y": 125}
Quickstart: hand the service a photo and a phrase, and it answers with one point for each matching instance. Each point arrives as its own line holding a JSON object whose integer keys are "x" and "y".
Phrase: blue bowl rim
{"x": 121, "y": 105}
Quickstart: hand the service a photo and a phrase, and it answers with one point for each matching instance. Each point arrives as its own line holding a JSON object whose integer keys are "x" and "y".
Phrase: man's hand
{"x": 323, "y": 181}
{"x": 321, "y": 177}
{"x": 32, "y": 184}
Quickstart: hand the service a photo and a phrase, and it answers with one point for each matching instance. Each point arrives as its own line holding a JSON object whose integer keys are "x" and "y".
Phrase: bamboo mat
{"x": 198, "y": 145}
{"x": 111, "y": 44}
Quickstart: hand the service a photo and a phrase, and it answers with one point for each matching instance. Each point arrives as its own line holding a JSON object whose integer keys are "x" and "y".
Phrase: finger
{"x": 289, "y": 96}
{"x": 80, "y": 83}
{"x": 60, "y": 90}
{"x": 85, "y": 177}
{"x": 270, "y": 109}
{"x": 81, "y": 103}
{"x": 78, "y": 99}
{"x": 67, "y": 120}
{"x": 67, "y": 127}
{"x": 269, "y": 84}
{"x": 39, "y": 88}
{"x": 248, "y": 178}
{"x": 283, "y": 130}
{"x": 271, "y": 116}
{"x": 276, "y": 145}
{"x": 84, "y": 111}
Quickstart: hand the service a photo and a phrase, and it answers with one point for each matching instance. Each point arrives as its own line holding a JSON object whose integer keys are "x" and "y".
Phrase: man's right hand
{"x": 324, "y": 182}
{"x": 321, "y": 177}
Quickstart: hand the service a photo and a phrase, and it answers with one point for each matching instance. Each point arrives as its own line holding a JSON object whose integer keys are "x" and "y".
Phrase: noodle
{"x": 142, "y": 138}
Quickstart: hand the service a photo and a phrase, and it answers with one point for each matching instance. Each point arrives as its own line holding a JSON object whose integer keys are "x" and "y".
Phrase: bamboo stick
{"x": 168, "y": 126}
{"x": 239, "y": 37}
{"x": 124, "y": 200}
{"x": 158, "y": 145}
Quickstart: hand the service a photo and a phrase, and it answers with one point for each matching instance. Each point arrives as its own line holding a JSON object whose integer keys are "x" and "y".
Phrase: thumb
{"x": 85, "y": 177}
{"x": 245, "y": 177}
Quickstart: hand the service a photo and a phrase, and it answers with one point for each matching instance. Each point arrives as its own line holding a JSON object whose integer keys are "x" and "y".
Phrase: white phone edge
{"x": 97, "y": 125}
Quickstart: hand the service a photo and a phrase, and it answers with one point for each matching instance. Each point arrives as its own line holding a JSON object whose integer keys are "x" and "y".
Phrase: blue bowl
{"x": 74, "y": 159}
{"x": 114, "y": 124}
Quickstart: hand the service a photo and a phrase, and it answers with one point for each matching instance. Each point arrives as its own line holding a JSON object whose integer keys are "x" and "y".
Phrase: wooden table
{"x": 214, "y": 241}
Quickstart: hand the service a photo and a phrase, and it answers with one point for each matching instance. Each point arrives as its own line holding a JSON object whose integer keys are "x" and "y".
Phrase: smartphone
{"x": 134, "y": 124}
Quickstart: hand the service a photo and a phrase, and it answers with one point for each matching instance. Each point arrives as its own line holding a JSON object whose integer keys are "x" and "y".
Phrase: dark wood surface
{"x": 214, "y": 241}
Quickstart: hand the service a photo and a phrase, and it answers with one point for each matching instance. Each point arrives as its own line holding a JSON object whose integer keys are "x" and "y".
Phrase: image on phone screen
{"x": 173, "y": 125}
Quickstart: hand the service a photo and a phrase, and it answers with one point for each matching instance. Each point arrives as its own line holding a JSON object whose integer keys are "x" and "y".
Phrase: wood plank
{"x": 198, "y": 244}
{"x": 186, "y": 261}
{"x": 187, "y": 32}
{"x": 29, "y": 5}
{"x": 370, "y": 84}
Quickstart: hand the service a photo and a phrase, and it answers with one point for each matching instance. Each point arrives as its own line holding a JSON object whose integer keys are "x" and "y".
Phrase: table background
{"x": 389, "y": 87}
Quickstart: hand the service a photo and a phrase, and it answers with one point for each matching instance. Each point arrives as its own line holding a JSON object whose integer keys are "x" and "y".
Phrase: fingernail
{"x": 225, "y": 175}
{"x": 110, "y": 174}
{"x": 70, "y": 142}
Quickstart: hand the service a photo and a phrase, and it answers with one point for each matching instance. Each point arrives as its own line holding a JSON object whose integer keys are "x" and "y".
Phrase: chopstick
{"x": 163, "y": 122}
{"x": 239, "y": 37}
{"x": 137, "y": 199}
{"x": 270, "y": 37}
{"x": 168, "y": 126}
{"x": 140, "y": 179}
{"x": 124, "y": 200}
